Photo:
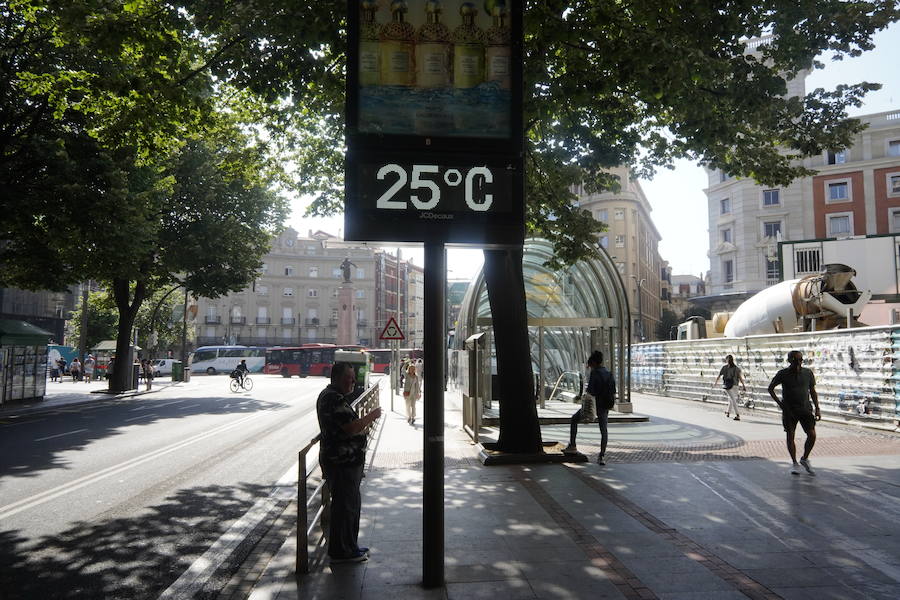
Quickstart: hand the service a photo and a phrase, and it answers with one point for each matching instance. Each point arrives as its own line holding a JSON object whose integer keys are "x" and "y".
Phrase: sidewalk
{"x": 67, "y": 393}
{"x": 690, "y": 506}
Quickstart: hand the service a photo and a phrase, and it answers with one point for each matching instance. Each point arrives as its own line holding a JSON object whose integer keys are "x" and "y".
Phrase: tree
{"x": 123, "y": 167}
{"x": 102, "y": 320}
{"x": 667, "y": 321}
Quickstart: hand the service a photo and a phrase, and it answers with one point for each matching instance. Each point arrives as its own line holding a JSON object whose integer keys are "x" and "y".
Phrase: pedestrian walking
{"x": 89, "y": 364}
{"x": 731, "y": 375}
{"x": 62, "y": 368}
{"x": 412, "y": 391}
{"x": 342, "y": 453}
{"x": 602, "y": 390}
{"x": 54, "y": 370}
{"x": 75, "y": 369}
{"x": 147, "y": 368}
{"x": 798, "y": 386}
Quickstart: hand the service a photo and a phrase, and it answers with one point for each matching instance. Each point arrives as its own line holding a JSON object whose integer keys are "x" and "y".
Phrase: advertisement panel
{"x": 434, "y": 121}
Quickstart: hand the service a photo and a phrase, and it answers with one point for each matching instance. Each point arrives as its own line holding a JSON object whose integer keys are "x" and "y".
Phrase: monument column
{"x": 346, "y": 316}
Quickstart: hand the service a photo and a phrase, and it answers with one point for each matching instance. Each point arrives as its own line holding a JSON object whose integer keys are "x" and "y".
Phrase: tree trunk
{"x": 128, "y": 307}
{"x": 520, "y": 431}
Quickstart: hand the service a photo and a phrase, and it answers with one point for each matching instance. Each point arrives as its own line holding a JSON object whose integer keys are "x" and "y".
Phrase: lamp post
{"x": 640, "y": 283}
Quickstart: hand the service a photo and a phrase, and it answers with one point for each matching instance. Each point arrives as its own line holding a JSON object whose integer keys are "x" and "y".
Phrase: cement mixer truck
{"x": 827, "y": 300}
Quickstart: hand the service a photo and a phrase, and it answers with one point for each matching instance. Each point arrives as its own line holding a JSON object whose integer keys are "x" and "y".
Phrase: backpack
{"x": 607, "y": 397}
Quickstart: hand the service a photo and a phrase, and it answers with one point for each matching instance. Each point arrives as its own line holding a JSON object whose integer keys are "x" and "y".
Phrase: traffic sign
{"x": 391, "y": 331}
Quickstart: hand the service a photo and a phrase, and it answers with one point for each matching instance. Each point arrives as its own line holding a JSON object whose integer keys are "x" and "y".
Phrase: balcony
{"x": 263, "y": 320}
{"x": 332, "y": 322}
{"x": 213, "y": 320}
{"x": 314, "y": 322}
{"x": 362, "y": 323}
{"x": 238, "y": 320}
{"x": 288, "y": 321}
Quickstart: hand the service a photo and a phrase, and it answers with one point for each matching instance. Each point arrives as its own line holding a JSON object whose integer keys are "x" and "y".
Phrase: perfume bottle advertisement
{"x": 435, "y": 68}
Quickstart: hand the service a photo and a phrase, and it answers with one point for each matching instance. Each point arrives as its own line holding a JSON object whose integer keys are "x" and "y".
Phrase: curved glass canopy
{"x": 570, "y": 313}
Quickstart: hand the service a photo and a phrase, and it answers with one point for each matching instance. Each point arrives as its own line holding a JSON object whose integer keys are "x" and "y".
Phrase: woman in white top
{"x": 412, "y": 389}
{"x": 731, "y": 375}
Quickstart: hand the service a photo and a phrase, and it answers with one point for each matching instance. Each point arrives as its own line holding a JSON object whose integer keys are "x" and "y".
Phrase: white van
{"x": 162, "y": 366}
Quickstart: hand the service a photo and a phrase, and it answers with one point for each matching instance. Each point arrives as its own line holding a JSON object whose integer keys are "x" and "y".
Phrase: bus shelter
{"x": 571, "y": 312}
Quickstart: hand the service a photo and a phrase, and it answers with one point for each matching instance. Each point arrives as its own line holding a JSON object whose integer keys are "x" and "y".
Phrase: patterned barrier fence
{"x": 856, "y": 370}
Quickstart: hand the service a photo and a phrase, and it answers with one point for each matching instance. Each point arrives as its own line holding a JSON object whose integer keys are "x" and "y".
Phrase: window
{"x": 360, "y": 273}
{"x": 289, "y": 243}
{"x": 336, "y": 272}
{"x": 893, "y": 186}
{"x": 289, "y": 271}
{"x": 772, "y": 275}
{"x": 726, "y": 235}
{"x": 288, "y": 292}
{"x": 314, "y": 271}
{"x": 210, "y": 332}
{"x": 838, "y": 191}
{"x": 771, "y": 229}
{"x": 894, "y": 220}
{"x": 312, "y": 293}
{"x": 311, "y": 335}
{"x": 840, "y": 224}
{"x": 725, "y": 206}
{"x": 262, "y": 290}
{"x": 621, "y": 267}
{"x": 619, "y": 214}
{"x": 604, "y": 241}
{"x": 723, "y": 176}
{"x": 360, "y": 293}
{"x": 837, "y": 157}
{"x": 771, "y": 197}
{"x": 893, "y": 148}
{"x": 807, "y": 260}
{"x": 602, "y": 215}
{"x": 286, "y": 334}
{"x": 620, "y": 241}
{"x": 264, "y": 269}
{"x": 728, "y": 270}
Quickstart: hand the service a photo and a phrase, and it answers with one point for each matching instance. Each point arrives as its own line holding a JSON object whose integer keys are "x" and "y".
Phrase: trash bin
{"x": 187, "y": 374}
{"x": 177, "y": 371}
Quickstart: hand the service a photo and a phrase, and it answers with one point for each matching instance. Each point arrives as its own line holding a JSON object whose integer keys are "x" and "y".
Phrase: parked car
{"x": 162, "y": 366}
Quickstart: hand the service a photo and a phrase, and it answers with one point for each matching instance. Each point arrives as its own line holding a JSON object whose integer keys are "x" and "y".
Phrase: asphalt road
{"x": 118, "y": 498}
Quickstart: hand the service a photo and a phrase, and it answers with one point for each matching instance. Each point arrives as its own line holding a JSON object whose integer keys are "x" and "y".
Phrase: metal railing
{"x": 263, "y": 320}
{"x": 562, "y": 375}
{"x": 363, "y": 405}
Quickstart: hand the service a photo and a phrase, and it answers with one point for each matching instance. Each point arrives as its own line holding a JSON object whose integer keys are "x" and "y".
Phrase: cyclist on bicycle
{"x": 240, "y": 371}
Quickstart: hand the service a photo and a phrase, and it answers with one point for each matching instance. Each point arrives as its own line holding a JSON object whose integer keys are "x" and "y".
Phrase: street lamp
{"x": 640, "y": 283}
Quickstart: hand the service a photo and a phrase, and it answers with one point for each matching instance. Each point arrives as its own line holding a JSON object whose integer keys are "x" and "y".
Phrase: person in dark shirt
{"x": 342, "y": 454}
{"x": 602, "y": 386}
{"x": 798, "y": 386}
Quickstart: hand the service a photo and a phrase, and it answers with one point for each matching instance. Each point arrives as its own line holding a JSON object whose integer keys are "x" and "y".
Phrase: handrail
{"x": 555, "y": 387}
{"x": 367, "y": 401}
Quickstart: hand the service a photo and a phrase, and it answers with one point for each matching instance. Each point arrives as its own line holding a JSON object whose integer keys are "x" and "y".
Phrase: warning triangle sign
{"x": 391, "y": 331}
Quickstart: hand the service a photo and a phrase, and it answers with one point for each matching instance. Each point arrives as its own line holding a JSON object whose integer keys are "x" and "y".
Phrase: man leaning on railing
{"x": 342, "y": 454}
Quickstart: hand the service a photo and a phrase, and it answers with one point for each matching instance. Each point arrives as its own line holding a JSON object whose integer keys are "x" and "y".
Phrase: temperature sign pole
{"x": 435, "y": 155}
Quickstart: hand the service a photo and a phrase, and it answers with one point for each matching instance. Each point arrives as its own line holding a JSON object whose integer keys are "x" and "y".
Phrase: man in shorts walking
{"x": 798, "y": 385}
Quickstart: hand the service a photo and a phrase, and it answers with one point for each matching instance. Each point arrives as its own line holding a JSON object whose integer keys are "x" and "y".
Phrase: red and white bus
{"x": 301, "y": 361}
{"x": 381, "y": 358}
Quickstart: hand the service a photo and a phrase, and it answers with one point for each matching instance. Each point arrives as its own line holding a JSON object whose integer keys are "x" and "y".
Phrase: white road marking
{"x": 45, "y": 496}
{"x": 198, "y": 574}
{"x": 138, "y": 417}
{"x": 50, "y": 437}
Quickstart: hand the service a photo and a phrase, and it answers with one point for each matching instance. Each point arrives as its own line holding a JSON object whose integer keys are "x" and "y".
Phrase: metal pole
{"x": 301, "y": 563}
{"x": 433, "y": 455}
{"x": 184, "y": 357}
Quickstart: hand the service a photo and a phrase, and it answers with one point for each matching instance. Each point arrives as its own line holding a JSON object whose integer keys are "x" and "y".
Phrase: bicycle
{"x": 236, "y": 384}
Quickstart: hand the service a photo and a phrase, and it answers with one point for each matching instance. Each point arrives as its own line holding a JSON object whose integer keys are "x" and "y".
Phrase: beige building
{"x": 295, "y": 298}
{"x": 633, "y": 242}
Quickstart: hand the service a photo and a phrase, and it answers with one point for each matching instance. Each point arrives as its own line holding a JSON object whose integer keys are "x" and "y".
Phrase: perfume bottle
{"x": 397, "y": 48}
{"x": 468, "y": 49}
{"x": 369, "y": 71}
{"x": 433, "y": 49}
{"x": 497, "y": 56}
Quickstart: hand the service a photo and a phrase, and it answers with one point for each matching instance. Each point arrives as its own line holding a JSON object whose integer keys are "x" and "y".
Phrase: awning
{"x": 108, "y": 346}
{"x": 22, "y": 333}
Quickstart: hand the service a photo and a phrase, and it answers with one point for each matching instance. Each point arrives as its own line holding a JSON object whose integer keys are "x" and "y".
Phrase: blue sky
{"x": 677, "y": 198}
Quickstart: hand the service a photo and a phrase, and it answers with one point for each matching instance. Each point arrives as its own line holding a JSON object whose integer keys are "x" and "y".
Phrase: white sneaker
{"x": 570, "y": 449}
{"x": 795, "y": 469}
{"x": 806, "y": 465}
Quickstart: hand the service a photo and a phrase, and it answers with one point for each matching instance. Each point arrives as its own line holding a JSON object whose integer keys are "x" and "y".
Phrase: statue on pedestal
{"x": 345, "y": 267}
